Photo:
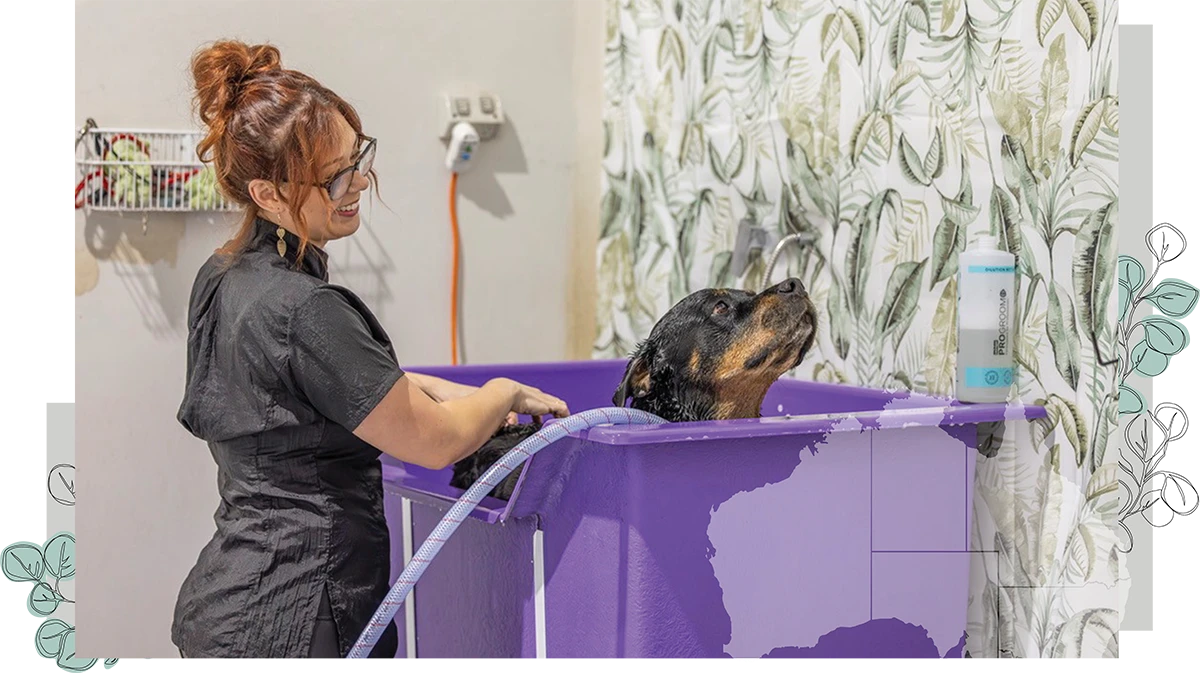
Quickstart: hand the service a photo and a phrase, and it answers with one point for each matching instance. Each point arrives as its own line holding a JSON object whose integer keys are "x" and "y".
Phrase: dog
{"x": 712, "y": 356}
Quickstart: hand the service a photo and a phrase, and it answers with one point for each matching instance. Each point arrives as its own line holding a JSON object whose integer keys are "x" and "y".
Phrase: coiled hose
{"x": 550, "y": 433}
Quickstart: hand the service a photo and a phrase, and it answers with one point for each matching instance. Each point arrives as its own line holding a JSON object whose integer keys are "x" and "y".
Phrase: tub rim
{"x": 913, "y": 410}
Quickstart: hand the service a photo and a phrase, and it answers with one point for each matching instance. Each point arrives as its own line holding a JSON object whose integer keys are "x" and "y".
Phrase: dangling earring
{"x": 280, "y": 245}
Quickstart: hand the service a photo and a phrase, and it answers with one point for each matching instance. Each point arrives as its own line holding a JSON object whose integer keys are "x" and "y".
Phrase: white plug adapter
{"x": 461, "y": 150}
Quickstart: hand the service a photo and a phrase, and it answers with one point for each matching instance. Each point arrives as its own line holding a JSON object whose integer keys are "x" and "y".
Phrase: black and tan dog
{"x": 711, "y": 357}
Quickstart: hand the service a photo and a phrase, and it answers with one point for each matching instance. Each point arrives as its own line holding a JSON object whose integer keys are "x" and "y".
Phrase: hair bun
{"x": 222, "y": 69}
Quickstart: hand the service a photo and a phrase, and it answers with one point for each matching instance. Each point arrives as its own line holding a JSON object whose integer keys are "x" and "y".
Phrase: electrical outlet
{"x": 482, "y": 110}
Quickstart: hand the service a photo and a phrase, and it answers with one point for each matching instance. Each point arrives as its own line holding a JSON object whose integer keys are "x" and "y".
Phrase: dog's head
{"x": 715, "y": 353}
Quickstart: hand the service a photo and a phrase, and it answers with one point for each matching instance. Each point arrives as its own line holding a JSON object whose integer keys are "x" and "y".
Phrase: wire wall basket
{"x": 136, "y": 170}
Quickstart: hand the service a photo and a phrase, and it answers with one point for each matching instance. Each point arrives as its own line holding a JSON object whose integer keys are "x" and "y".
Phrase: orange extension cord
{"x": 454, "y": 280}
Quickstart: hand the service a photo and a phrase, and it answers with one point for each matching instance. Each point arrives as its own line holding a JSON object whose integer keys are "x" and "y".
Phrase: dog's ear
{"x": 637, "y": 376}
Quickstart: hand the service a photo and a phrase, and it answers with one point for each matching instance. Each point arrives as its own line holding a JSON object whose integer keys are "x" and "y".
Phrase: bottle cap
{"x": 987, "y": 242}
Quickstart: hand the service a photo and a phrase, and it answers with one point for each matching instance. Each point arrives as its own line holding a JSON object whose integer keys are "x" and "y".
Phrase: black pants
{"x": 325, "y": 637}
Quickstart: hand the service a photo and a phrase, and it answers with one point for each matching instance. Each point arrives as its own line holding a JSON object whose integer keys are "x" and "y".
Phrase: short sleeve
{"x": 339, "y": 366}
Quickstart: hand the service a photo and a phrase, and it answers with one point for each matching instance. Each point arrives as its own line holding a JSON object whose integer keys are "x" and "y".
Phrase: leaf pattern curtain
{"x": 899, "y": 131}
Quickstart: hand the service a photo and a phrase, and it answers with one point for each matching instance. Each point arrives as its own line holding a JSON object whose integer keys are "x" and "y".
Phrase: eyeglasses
{"x": 339, "y": 184}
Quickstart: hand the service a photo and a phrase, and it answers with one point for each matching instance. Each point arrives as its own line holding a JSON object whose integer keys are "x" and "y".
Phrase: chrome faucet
{"x": 801, "y": 238}
{"x": 754, "y": 239}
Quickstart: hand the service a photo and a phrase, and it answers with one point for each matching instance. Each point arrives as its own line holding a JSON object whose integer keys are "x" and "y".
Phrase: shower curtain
{"x": 899, "y": 131}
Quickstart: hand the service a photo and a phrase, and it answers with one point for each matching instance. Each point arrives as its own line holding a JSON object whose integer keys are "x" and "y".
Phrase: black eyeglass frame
{"x": 351, "y": 169}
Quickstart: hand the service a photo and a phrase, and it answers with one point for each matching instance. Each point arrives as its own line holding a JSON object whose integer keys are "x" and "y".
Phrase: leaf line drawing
{"x": 47, "y": 567}
{"x": 61, "y": 484}
{"x": 1148, "y": 490}
{"x": 28, "y": 562}
{"x": 55, "y": 639}
{"x": 1137, "y": 488}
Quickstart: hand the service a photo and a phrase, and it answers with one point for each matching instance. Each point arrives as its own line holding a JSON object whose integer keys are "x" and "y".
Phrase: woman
{"x": 294, "y": 384}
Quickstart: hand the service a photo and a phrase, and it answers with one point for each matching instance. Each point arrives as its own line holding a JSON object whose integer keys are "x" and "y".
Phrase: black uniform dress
{"x": 281, "y": 366}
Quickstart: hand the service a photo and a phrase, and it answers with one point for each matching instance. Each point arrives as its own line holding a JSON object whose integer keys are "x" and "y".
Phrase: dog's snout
{"x": 790, "y": 286}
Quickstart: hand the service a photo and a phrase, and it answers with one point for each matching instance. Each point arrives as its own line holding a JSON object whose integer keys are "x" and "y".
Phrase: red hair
{"x": 264, "y": 122}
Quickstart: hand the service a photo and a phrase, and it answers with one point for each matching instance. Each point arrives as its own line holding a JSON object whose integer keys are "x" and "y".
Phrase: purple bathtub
{"x": 836, "y": 527}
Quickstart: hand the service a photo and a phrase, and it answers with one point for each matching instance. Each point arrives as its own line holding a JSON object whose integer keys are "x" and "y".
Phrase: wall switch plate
{"x": 481, "y": 109}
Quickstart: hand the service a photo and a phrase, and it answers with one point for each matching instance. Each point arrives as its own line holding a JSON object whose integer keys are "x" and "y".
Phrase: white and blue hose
{"x": 549, "y": 434}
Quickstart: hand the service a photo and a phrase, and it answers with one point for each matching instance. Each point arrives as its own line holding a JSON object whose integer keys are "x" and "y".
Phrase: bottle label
{"x": 1000, "y": 343}
{"x": 988, "y": 377}
{"x": 980, "y": 268}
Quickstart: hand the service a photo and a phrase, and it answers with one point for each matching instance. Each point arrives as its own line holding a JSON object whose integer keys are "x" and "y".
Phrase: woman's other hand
{"x": 411, "y": 426}
{"x": 442, "y": 390}
{"x": 530, "y": 401}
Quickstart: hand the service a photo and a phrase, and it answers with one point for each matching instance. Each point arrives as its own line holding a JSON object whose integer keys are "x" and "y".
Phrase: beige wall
{"x": 528, "y": 213}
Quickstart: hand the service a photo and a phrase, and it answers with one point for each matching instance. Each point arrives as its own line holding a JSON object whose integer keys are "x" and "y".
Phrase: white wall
{"x": 527, "y": 214}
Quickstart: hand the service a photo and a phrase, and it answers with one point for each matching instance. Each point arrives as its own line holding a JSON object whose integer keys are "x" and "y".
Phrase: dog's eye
{"x": 721, "y": 308}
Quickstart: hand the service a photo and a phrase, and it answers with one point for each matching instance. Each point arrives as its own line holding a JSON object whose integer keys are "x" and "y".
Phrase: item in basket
{"x": 129, "y": 180}
{"x": 202, "y": 190}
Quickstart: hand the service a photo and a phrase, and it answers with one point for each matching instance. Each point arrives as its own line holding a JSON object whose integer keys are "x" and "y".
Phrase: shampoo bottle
{"x": 986, "y": 280}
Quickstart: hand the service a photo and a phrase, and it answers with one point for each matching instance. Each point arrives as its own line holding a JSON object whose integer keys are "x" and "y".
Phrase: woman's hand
{"x": 441, "y": 390}
{"x": 409, "y": 424}
{"x": 533, "y": 402}
{"x": 448, "y": 390}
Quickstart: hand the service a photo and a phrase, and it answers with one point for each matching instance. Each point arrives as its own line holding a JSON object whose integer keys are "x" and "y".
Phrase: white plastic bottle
{"x": 986, "y": 280}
